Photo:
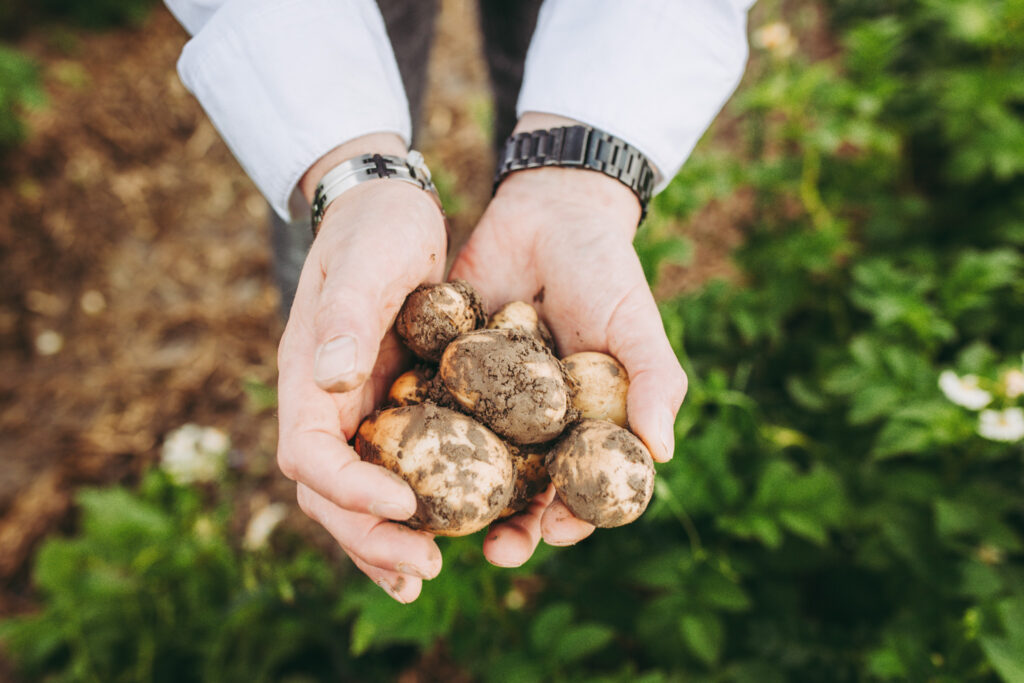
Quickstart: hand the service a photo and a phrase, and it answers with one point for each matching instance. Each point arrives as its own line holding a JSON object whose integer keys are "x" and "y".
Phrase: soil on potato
{"x": 587, "y": 491}
{"x": 435, "y": 510}
{"x": 500, "y": 367}
{"x": 426, "y": 322}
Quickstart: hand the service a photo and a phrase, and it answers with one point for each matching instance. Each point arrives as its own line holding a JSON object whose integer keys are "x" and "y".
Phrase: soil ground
{"x": 135, "y": 288}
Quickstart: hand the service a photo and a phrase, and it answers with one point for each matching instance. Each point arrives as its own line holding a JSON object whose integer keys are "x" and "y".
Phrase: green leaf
{"x": 550, "y": 625}
{"x": 716, "y": 590}
{"x": 1006, "y": 650}
{"x": 704, "y": 634}
{"x": 582, "y": 640}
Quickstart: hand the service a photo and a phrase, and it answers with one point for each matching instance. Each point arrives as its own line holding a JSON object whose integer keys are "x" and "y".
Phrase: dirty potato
{"x": 511, "y": 383}
{"x": 519, "y": 315}
{"x": 411, "y": 387}
{"x": 462, "y": 474}
{"x": 603, "y": 385}
{"x": 531, "y": 476}
{"x": 602, "y": 473}
{"x": 434, "y": 315}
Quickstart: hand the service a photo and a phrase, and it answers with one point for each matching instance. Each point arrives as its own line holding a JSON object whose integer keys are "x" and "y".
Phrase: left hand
{"x": 562, "y": 239}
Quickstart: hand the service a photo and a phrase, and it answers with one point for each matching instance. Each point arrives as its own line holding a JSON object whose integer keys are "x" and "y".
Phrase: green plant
{"x": 19, "y": 87}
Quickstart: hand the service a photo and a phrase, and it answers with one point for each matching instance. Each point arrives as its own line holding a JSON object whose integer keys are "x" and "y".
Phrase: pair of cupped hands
{"x": 566, "y": 232}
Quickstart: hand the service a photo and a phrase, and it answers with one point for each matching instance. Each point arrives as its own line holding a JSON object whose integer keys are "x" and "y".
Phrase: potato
{"x": 511, "y": 383}
{"x": 462, "y": 474}
{"x": 411, "y": 387}
{"x": 519, "y": 315}
{"x": 531, "y": 476}
{"x": 604, "y": 474}
{"x": 434, "y": 315}
{"x": 603, "y": 385}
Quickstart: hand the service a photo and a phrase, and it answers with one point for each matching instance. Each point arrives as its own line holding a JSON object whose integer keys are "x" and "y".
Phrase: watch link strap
{"x": 580, "y": 147}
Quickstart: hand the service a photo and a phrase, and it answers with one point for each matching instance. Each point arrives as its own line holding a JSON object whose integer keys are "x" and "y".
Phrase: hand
{"x": 562, "y": 238}
{"x": 338, "y": 355}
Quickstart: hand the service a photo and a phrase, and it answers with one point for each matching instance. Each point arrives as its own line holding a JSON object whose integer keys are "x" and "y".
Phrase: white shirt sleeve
{"x": 286, "y": 81}
{"x": 652, "y": 72}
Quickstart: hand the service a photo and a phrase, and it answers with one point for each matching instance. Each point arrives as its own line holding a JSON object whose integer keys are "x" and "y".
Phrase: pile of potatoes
{"x": 492, "y": 416}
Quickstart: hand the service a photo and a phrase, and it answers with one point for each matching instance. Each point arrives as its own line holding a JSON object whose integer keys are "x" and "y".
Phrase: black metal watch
{"x": 579, "y": 147}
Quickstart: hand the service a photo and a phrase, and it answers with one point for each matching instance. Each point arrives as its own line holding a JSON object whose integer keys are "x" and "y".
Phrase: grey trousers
{"x": 507, "y": 27}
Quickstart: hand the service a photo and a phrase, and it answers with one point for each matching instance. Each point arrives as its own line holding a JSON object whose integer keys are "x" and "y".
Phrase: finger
{"x": 376, "y": 542}
{"x": 560, "y": 527}
{"x": 365, "y": 282}
{"x": 401, "y": 587}
{"x": 657, "y": 383}
{"x": 511, "y": 542}
{"x": 312, "y": 447}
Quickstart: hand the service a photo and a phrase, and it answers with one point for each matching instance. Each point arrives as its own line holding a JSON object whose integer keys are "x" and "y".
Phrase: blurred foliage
{"x": 19, "y": 87}
{"x": 829, "y": 515}
{"x": 20, "y": 84}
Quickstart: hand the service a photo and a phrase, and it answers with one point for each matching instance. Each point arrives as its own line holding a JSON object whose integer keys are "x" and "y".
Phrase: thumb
{"x": 362, "y": 293}
{"x": 657, "y": 383}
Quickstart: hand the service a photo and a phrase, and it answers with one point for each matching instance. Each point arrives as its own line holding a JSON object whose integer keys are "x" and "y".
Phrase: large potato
{"x": 511, "y": 383}
{"x": 519, "y": 315}
{"x": 462, "y": 474}
{"x": 604, "y": 474}
{"x": 603, "y": 385}
{"x": 434, "y": 315}
{"x": 531, "y": 476}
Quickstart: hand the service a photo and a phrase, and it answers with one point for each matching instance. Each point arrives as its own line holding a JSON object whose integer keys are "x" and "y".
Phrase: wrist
{"x": 375, "y": 143}
{"x": 572, "y": 159}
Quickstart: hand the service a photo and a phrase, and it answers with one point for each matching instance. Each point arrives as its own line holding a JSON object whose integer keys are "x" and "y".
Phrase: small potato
{"x": 603, "y": 385}
{"x": 434, "y": 315}
{"x": 519, "y": 315}
{"x": 531, "y": 476}
{"x": 411, "y": 387}
{"x": 511, "y": 383}
{"x": 604, "y": 474}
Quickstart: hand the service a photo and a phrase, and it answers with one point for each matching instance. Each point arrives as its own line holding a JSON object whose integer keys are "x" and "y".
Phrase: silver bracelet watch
{"x": 364, "y": 168}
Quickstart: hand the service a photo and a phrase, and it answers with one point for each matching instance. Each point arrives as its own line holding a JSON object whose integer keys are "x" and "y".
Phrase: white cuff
{"x": 284, "y": 82}
{"x": 652, "y": 72}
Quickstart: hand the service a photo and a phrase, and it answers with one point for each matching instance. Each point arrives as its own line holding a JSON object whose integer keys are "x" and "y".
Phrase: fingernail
{"x": 389, "y": 510}
{"x": 561, "y": 544}
{"x": 406, "y": 568}
{"x": 668, "y": 435}
{"x": 335, "y": 360}
{"x": 389, "y": 590}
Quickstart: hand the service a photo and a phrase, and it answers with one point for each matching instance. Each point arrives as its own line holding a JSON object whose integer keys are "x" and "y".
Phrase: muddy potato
{"x": 604, "y": 474}
{"x": 433, "y": 315}
{"x": 462, "y": 474}
{"x": 519, "y": 315}
{"x": 411, "y": 387}
{"x": 531, "y": 476}
{"x": 603, "y": 385}
{"x": 511, "y": 383}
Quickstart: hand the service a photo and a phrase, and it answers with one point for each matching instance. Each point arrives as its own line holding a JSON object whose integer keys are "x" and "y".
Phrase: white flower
{"x": 964, "y": 391}
{"x": 195, "y": 454}
{"x": 1006, "y": 425}
{"x": 262, "y": 524}
{"x": 1013, "y": 383}
{"x": 776, "y": 38}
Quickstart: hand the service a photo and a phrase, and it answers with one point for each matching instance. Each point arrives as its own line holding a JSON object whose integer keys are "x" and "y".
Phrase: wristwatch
{"x": 364, "y": 168}
{"x": 579, "y": 147}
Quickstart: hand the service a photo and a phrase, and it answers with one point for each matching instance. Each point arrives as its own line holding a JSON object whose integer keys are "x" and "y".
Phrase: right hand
{"x": 338, "y": 356}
